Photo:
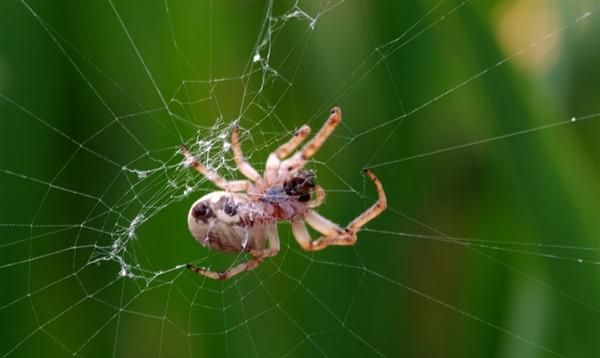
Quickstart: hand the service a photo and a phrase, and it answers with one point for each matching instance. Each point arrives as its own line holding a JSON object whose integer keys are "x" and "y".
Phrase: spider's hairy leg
{"x": 332, "y": 233}
{"x": 234, "y": 186}
{"x": 286, "y": 148}
{"x": 298, "y": 160}
{"x": 310, "y": 148}
{"x": 244, "y": 167}
{"x": 273, "y": 164}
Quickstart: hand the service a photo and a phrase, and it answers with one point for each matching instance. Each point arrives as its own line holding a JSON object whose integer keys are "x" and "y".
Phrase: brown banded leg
{"x": 273, "y": 165}
{"x": 244, "y": 167}
{"x": 332, "y": 233}
{"x": 234, "y": 186}
{"x": 310, "y": 148}
{"x": 285, "y": 149}
{"x": 298, "y": 160}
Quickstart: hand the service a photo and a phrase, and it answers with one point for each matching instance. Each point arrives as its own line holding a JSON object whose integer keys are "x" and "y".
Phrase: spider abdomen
{"x": 223, "y": 221}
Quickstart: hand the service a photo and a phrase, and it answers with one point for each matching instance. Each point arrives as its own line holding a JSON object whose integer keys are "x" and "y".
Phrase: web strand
{"x": 98, "y": 236}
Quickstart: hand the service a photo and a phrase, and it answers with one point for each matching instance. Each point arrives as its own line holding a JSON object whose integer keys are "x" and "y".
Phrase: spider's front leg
{"x": 298, "y": 160}
{"x": 274, "y": 161}
{"x": 332, "y": 233}
{"x": 335, "y": 117}
{"x": 233, "y": 186}
{"x": 286, "y": 148}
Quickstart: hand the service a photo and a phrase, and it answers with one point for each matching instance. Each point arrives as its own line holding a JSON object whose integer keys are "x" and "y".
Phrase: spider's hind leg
{"x": 243, "y": 267}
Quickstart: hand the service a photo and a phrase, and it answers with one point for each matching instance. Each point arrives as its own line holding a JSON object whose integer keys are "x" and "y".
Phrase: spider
{"x": 244, "y": 216}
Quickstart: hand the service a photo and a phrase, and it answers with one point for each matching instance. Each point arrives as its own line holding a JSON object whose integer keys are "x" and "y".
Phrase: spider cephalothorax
{"x": 286, "y": 200}
{"x": 300, "y": 185}
{"x": 243, "y": 217}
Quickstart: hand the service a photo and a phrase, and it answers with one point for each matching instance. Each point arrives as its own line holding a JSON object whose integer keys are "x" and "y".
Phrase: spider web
{"x": 95, "y": 191}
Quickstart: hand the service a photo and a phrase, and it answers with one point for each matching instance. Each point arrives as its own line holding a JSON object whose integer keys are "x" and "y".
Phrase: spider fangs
{"x": 244, "y": 216}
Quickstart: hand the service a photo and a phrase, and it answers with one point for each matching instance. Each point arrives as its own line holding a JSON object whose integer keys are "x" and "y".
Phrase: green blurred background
{"x": 477, "y": 255}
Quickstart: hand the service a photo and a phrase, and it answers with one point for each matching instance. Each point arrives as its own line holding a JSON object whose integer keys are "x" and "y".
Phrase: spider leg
{"x": 298, "y": 160}
{"x": 273, "y": 237}
{"x": 319, "y": 197}
{"x": 272, "y": 168}
{"x": 243, "y": 267}
{"x": 374, "y": 211}
{"x": 273, "y": 164}
{"x": 340, "y": 238}
{"x": 234, "y": 186}
{"x": 286, "y": 148}
{"x": 244, "y": 167}
{"x": 310, "y": 148}
{"x": 258, "y": 257}
{"x": 332, "y": 233}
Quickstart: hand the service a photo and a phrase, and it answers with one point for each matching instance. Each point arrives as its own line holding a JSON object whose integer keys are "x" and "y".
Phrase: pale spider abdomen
{"x": 223, "y": 221}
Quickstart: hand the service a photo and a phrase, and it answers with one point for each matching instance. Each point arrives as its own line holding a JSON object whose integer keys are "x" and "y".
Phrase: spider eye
{"x": 201, "y": 211}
